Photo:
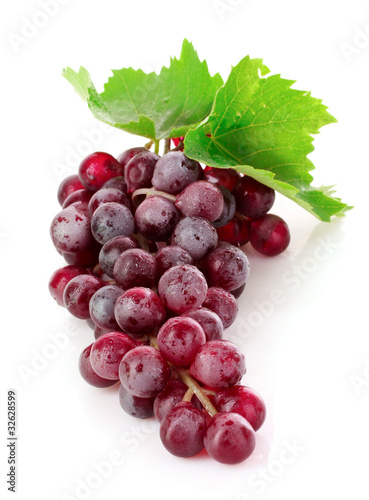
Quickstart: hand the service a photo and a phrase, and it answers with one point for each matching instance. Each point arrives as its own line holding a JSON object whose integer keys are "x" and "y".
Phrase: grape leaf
{"x": 152, "y": 105}
{"x": 262, "y": 127}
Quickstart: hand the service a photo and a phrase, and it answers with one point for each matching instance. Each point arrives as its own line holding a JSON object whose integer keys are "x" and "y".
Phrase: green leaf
{"x": 156, "y": 106}
{"x": 262, "y": 128}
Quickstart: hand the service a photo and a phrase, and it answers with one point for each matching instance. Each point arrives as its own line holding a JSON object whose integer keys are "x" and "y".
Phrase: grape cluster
{"x": 155, "y": 266}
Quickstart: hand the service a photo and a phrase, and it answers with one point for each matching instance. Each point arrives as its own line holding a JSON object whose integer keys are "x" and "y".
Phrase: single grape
{"x": 98, "y": 168}
{"x": 99, "y": 332}
{"x": 70, "y": 230}
{"x": 182, "y": 288}
{"x": 144, "y": 372}
{"x": 209, "y": 322}
{"x": 107, "y": 195}
{"x": 167, "y": 399}
{"x": 116, "y": 183}
{"x": 236, "y": 232}
{"x": 182, "y": 430}
{"x": 67, "y": 187}
{"x": 229, "y": 438}
{"x": 110, "y": 220}
{"x": 88, "y": 373}
{"x": 179, "y": 339}
{"x": 253, "y": 199}
{"x": 269, "y": 235}
{"x": 229, "y": 208}
{"x": 134, "y": 406}
{"x": 78, "y": 292}
{"x": 135, "y": 268}
{"x": 171, "y": 256}
{"x": 242, "y": 400}
{"x": 83, "y": 195}
{"x": 201, "y": 199}
{"x": 196, "y": 235}
{"x": 139, "y": 311}
{"x": 174, "y": 171}
{"x": 223, "y": 303}
{"x": 139, "y": 170}
{"x": 218, "y": 364}
{"x": 226, "y": 177}
{"x": 111, "y": 251}
{"x": 107, "y": 353}
{"x": 60, "y": 278}
{"x": 226, "y": 266}
{"x": 156, "y": 217}
{"x": 128, "y": 154}
{"x": 102, "y": 305}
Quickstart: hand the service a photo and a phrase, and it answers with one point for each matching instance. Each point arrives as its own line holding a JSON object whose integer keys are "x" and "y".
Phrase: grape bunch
{"x": 155, "y": 267}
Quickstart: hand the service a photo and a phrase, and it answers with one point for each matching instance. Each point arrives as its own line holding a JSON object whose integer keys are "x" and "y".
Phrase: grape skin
{"x": 226, "y": 267}
{"x": 102, "y": 307}
{"x": 209, "y": 322}
{"x": 134, "y": 406}
{"x": 111, "y": 251}
{"x": 135, "y": 268}
{"x": 78, "y": 292}
{"x": 223, "y": 303}
{"x": 67, "y": 187}
{"x": 201, "y": 199}
{"x": 156, "y": 217}
{"x": 182, "y": 288}
{"x": 60, "y": 278}
{"x": 218, "y": 364}
{"x": 182, "y": 430}
{"x": 229, "y": 438}
{"x": 170, "y": 256}
{"x": 70, "y": 230}
{"x": 88, "y": 373}
{"x": 195, "y": 235}
{"x": 110, "y": 220}
{"x": 179, "y": 339}
{"x": 144, "y": 372}
{"x": 174, "y": 171}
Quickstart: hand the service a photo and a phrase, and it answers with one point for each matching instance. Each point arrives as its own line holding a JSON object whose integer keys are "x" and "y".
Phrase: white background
{"x": 308, "y": 355}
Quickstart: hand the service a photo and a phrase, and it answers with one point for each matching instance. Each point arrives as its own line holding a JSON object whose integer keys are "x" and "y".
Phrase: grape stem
{"x": 157, "y": 147}
{"x": 152, "y": 192}
{"x": 149, "y": 144}
{"x": 193, "y": 386}
{"x": 179, "y": 147}
{"x": 196, "y": 389}
{"x": 166, "y": 146}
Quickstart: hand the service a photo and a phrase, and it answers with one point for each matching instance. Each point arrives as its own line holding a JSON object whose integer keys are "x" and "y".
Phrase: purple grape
{"x": 201, "y": 199}
{"x": 134, "y": 406}
{"x": 107, "y": 195}
{"x": 174, "y": 171}
{"x": 60, "y": 278}
{"x": 144, "y": 372}
{"x": 156, "y": 217}
{"x": 139, "y": 170}
{"x": 218, "y": 364}
{"x": 209, "y": 322}
{"x": 223, "y": 303}
{"x": 135, "y": 268}
{"x": 128, "y": 154}
{"x": 195, "y": 235}
{"x": 83, "y": 195}
{"x": 111, "y": 251}
{"x": 70, "y": 230}
{"x": 182, "y": 288}
{"x": 88, "y": 373}
{"x": 107, "y": 353}
{"x": 182, "y": 430}
{"x": 116, "y": 183}
{"x": 139, "y": 311}
{"x": 102, "y": 307}
{"x": 110, "y": 220}
{"x": 67, "y": 187}
{"x": 167, "y": 399}
{"x": 78, "y": 292}
{"x": 236, "y": 232}
{"x": 242, "y": 400}
{"x": 98, "y": 168}
{"x": 226, "y": 267}
{"x": 179, "y": 339}
{"x": 171, "y": 256}
{"x": 253, "y": 199}
{"x": 269, "y": 235}
{"x": 229, "y": 438}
